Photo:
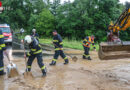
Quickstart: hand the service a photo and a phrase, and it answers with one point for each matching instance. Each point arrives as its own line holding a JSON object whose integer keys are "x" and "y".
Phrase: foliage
{"x": 45, "y": 23}
{"x": 74, "y": 44}
{"x": 72, "y": 19}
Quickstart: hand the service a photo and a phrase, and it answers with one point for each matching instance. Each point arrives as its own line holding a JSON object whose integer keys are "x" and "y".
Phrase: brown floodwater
{"x": 80, "y": 75}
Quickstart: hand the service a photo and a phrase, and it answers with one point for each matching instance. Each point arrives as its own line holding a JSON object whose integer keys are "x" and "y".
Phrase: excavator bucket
{"x": 112, "y": 50}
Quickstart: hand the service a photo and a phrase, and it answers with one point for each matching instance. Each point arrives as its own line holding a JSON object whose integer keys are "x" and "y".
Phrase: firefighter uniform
{"x": 93, "y": 44}
{"x": 2, "y": 48}
{"x": 35, "y": 35}
{"x": 57, "y": 41}
{"x": 86, "y": 45}
{"x": 35, "y": 52}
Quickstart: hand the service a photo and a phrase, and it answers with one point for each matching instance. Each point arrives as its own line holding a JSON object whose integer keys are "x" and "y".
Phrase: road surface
{"x": 80, "y": 75}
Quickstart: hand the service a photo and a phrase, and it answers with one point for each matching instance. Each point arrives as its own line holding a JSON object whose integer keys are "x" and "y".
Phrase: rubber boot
{"x": 84, "y": 57}
{"x": 89, "y": 58}
{"x": 44, "y": 72}
{"x": 53, "y": 63}
{"x": 28, "y": 70}
{"x": 66, "y": 61}
{"x": 3, "y": 73}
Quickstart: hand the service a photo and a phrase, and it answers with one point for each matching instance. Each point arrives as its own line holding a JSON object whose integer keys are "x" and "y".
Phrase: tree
{"x": 87, "y": 17}
{"x": 54, "y": 6}
{"x": 45, "y": 23}
{"x": 72, "y": 19}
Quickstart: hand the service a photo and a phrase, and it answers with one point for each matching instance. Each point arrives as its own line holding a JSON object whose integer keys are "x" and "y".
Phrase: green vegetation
{"x": 74, "y": 44}
{"x": 45, "y": 22}
{"x": 73, "y": 20}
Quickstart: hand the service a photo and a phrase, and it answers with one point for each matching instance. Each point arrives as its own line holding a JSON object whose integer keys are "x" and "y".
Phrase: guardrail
{"x": 17, "y": 45}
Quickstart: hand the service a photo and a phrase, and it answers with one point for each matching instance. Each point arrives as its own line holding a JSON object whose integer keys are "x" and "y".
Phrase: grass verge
{"x": 74, "y": 44}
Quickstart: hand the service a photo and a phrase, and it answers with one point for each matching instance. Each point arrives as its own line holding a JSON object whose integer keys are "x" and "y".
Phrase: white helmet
{"x": 28, "y": 39}
{"x": 34, "y": 30}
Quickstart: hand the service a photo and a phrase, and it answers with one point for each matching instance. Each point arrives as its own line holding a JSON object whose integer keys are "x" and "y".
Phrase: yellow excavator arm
{"x": 114, "y": 48}
{"x": 122, "y": 23}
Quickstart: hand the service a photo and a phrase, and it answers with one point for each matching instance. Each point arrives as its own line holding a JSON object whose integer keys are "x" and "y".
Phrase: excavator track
{"x": 109, "y": 51}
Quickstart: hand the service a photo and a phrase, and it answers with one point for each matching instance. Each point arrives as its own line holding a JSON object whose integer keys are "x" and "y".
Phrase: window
{"x": 5, "y": 29}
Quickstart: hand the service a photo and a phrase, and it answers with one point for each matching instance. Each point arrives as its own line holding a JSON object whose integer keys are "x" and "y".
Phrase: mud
{"x": 74, "y": 59}
{"x": 13, "y": 73}
{"x": 28, "y": 75}
{"x": 80, "y": 75}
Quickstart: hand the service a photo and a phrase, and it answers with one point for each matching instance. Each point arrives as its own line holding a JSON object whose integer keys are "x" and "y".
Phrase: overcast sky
{"x": 122, "y": 1}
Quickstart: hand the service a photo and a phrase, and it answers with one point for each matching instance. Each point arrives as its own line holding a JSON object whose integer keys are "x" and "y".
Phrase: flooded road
{"x": 80, "y": 75}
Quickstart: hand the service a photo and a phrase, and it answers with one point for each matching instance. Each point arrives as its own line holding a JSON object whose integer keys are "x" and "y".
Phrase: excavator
{"x": 115, "y": 48}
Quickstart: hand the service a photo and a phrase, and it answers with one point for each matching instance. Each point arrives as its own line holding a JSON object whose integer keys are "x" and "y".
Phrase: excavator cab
{"x": 113, "y": 37}
{"x": 114, "y": 48}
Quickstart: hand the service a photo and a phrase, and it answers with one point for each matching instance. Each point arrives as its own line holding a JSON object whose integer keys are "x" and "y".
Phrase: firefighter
{"x": 86, "y": 45}
{"x": 57, "y": 41}
{"x": 35, "y": 52}
{"x": 34, "y": 34}
{"x": 93, "y": 42}
{"x": 2, "y": 48}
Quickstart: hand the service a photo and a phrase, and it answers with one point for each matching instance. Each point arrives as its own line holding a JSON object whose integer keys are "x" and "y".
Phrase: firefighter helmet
{"x": 34, "y": 30}
{"x": 28, "y": 39}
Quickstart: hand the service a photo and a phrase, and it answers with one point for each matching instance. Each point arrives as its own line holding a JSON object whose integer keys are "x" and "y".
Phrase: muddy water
{"x": 80, "y": 75}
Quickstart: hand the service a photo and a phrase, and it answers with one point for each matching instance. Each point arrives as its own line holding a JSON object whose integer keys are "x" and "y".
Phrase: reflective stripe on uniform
{"x": 1, "y": 68}
{"x": 55, "y": 41}
{"x": 58, "y": 48}
{"x": 33, "y": 49}
{"x": 65, "y": 58}
{"x": 43, "y": 67}
{"x": 85, "y": 40}
{"x": 39, "y": 51}
{"x": 2, "y": 45}
{"x": 86, "y": 45}
{"x": 36, "y": 37}
{"x": 83, "y": 43}
{"x": 61, "y": 43}
{"x": 28, "y": 54}
{"x": 93, "y": 45}
{"x": 28, "y": 66}
{"x": 86, "y": 55}
{"x": 54, "y": 60}
{"x": 39, "y": 45}
{"x": 1, "y": 36}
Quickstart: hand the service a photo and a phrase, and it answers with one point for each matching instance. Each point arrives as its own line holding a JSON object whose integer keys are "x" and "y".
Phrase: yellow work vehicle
{"x": 114, "y": 48}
